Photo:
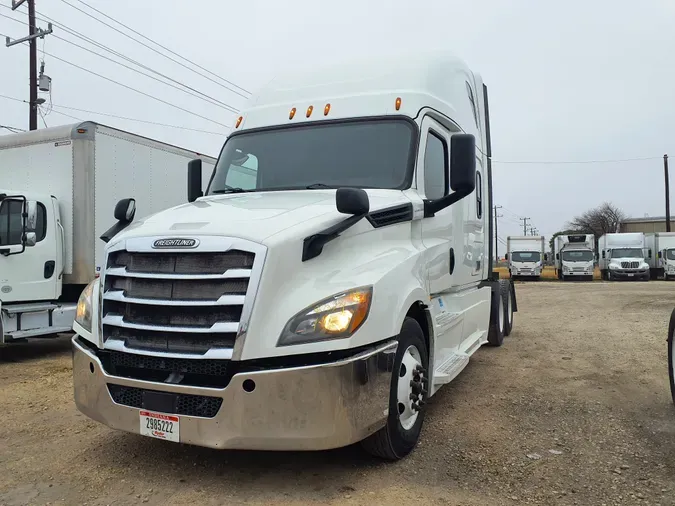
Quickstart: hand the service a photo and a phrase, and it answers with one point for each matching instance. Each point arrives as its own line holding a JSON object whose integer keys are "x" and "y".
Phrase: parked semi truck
{"x": 526, "y": 256}
{"x": 324, "y": 297}
{"x": 661, "y": 254}
{"x": 623, "y": 256}
{"x": 574, "y": 256}
{"x": 67, "y": 179}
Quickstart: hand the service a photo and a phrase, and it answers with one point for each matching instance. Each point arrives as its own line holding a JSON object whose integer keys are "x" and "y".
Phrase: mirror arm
{"x": 431, "y": 207}
{"x": 114, "y": 230}
{"x": 313, "y": 245}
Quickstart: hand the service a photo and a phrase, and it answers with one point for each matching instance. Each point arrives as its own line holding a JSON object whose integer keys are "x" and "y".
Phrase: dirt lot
{"x": 573, "y": 409}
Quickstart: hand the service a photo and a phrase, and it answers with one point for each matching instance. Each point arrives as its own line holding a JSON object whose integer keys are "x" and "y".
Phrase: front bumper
{"x": 617, "y": 274}
{"x": 314, "y": 407}
{"x": 577, "y": 273}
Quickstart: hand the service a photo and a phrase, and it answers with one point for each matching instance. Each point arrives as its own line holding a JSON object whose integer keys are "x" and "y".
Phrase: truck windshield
{"x": 578, "y": 256}
{"x": 363, "y": 154}
{"x": 627, "y": 253}
{"x": 525, "y": 256}
{"x": 670, "y": 254}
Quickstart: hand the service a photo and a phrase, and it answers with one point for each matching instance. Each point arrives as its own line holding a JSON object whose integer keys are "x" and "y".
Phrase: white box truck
{"x": 661, "y": 254}
{"x": 67, "y": 179}
{"x": 526, "y": 256}
{"x": 622, "y": 256}
{"x": 574, "y": 256}
{"x": 324, "y": 297}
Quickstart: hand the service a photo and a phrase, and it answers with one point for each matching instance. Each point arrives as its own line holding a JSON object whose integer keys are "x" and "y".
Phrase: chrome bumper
{"x": 302, "y": 408}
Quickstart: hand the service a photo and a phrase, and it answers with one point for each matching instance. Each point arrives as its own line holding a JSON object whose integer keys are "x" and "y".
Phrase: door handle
{"x": 452, "y": 260}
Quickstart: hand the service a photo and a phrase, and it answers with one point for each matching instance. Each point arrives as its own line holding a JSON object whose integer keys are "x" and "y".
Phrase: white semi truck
{"x": 526, "y": 256}
{"x": 661, "y": 254}
{"x": 622, "y": 256}
{"x": 574, "y": 256}
{"x": 327, "y": 294}
{"x": 57, "y": 187}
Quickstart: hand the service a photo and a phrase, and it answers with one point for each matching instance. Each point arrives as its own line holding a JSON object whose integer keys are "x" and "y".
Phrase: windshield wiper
{"x": 318, "y": 185}
{"x": 230, "y": 189}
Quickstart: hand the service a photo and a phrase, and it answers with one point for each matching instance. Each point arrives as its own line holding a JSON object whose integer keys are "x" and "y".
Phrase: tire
{"x": 497, "y": 318}
{"x": 401, "y": 433}
{"x": 671, "y": 352}
{"x": 507, "y": 297}
{"x": 609, "y": 276}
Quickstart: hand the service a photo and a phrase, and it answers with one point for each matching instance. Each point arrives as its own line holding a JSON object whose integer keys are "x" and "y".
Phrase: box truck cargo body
{"x": 574, "y": 256}
{"x": 526, "y": 256}
{"x": 661, "y": 254}
{"x": 622, "y": 256}
{"x": 69, "y": 178}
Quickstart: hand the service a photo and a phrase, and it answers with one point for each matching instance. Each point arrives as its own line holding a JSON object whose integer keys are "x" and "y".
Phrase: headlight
{"x": 336, "y": 317}
{"x": 84, "y": 306}
{"x": 613, "y": 266}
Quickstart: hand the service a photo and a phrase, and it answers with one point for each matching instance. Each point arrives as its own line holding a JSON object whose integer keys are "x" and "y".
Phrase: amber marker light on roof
{"x": 398, "y": 103}
{"x": 309, "y": 111}
{"x": 326, "y": 110}
{"x": 290, "y": 116}
{"x": 239, "y": 120}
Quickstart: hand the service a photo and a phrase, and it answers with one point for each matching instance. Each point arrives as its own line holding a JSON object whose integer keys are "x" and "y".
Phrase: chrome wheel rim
{"x": 510, "y": 309}
{"x": 501, "y": 314}
{"x": 411, "y": 388}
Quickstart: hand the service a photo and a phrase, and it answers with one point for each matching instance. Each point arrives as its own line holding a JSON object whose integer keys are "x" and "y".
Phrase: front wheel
{"x": 505, "y": 288}
{"x": 407, "y": 397}
{"x": 671, "y": 354}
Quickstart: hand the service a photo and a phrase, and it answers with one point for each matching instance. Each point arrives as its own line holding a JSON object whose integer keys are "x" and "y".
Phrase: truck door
{"x": 29, "y": 275}
{"x": 442, "y": 234}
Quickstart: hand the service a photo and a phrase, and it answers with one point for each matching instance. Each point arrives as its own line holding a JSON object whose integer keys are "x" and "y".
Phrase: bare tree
{"x": 604, "y": 219}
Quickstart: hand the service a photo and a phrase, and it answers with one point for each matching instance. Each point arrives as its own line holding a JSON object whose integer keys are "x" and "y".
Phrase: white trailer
{"x": 661, "y": 254}
{"x": 623, "y": 256}
{"x": 66, "y": 180}
{"x": 526, "y": 256}
{"x": 574, "y": 256}
{"x": 321, "y": 299}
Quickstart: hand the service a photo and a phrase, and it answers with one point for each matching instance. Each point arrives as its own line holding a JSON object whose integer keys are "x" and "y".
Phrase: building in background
{"x": 648, "y": 224}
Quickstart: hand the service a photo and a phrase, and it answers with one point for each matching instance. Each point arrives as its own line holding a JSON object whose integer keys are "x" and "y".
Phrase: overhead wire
{"x": 153, "y": 49}
{"x": 75, "y": 33}
{"x": 160, "y": 45}
{"x": 117, "y": 116}
{"x": 553, "y": 162}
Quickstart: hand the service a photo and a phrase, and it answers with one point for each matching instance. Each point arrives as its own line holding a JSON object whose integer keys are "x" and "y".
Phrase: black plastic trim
{"x": 488, "y": 148}
{"x": 391, "y": 215}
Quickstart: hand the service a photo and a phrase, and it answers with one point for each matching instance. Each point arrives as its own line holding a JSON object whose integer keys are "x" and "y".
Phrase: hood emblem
{"x": 175, "y": 242}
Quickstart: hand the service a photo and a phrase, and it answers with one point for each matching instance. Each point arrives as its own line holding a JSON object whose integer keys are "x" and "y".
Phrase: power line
{"x": 118, "y": 117}
{"x": 211, "y": 100}
{"x": 132, "y": 89}
{"x": 153, "y": 49}
{"x": 551, "y": 162}
{"x": 163, "y": 47}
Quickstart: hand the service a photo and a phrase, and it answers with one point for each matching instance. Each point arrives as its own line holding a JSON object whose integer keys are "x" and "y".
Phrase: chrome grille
{"x": 630, "y": 265}
{"x": 187, "y": 302}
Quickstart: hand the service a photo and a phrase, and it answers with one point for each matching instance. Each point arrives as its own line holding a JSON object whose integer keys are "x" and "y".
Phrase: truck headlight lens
{"x": 613, "y": 266}
{"x": 336, "y": 317}
{"x": 84, "y": 306}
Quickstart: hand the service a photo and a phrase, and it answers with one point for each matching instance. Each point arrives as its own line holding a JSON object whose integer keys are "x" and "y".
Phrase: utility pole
{"x": 524, "y": 220}
{"x": 33, "y": 34}
{"x": 497, "y": 235}
{"x": 665, "y": 171}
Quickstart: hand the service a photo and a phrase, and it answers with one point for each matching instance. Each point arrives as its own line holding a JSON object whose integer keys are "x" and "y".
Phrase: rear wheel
{"x": 507, "y": 296}
{"x": 407, "y": 397}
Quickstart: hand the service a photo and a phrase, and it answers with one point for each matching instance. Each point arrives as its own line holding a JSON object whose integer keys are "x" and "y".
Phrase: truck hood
{"x": 253, "y": 216}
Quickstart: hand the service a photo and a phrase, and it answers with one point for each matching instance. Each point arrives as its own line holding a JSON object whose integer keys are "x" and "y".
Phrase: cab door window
{"x": 11, "y": 222}
{"x": 435, "y": 167}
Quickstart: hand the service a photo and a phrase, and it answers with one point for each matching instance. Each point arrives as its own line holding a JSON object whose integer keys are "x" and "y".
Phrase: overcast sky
{"x": 578, "y": 80}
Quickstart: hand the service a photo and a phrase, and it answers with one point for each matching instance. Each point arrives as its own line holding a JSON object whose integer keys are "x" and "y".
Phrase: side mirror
{"x": 545, "y": 257}
{"x": 557, "y": 256}
{"x": 659, "y": 254}
{"x": 30, "y": 239}
{"x": 603, "y": 254}
{"x": 463, "y": 163}
{"x": 462, "y": 173}
{"x": 194, "y": 182}
{"x": 31, "y": 210}
{"x": 506, "y": 257}
{"x": 650, "y": 252}
{"x": 125, "y": 210}
{"x": 352, "y": 201}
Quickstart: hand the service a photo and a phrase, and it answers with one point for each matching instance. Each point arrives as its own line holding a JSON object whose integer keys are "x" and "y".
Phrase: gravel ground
{"x": 573, "y": 409}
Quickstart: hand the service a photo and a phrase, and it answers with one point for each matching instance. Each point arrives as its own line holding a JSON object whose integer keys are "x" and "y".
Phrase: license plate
{"x": 630, "y": 275}
{"x": 160, "y": 426}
